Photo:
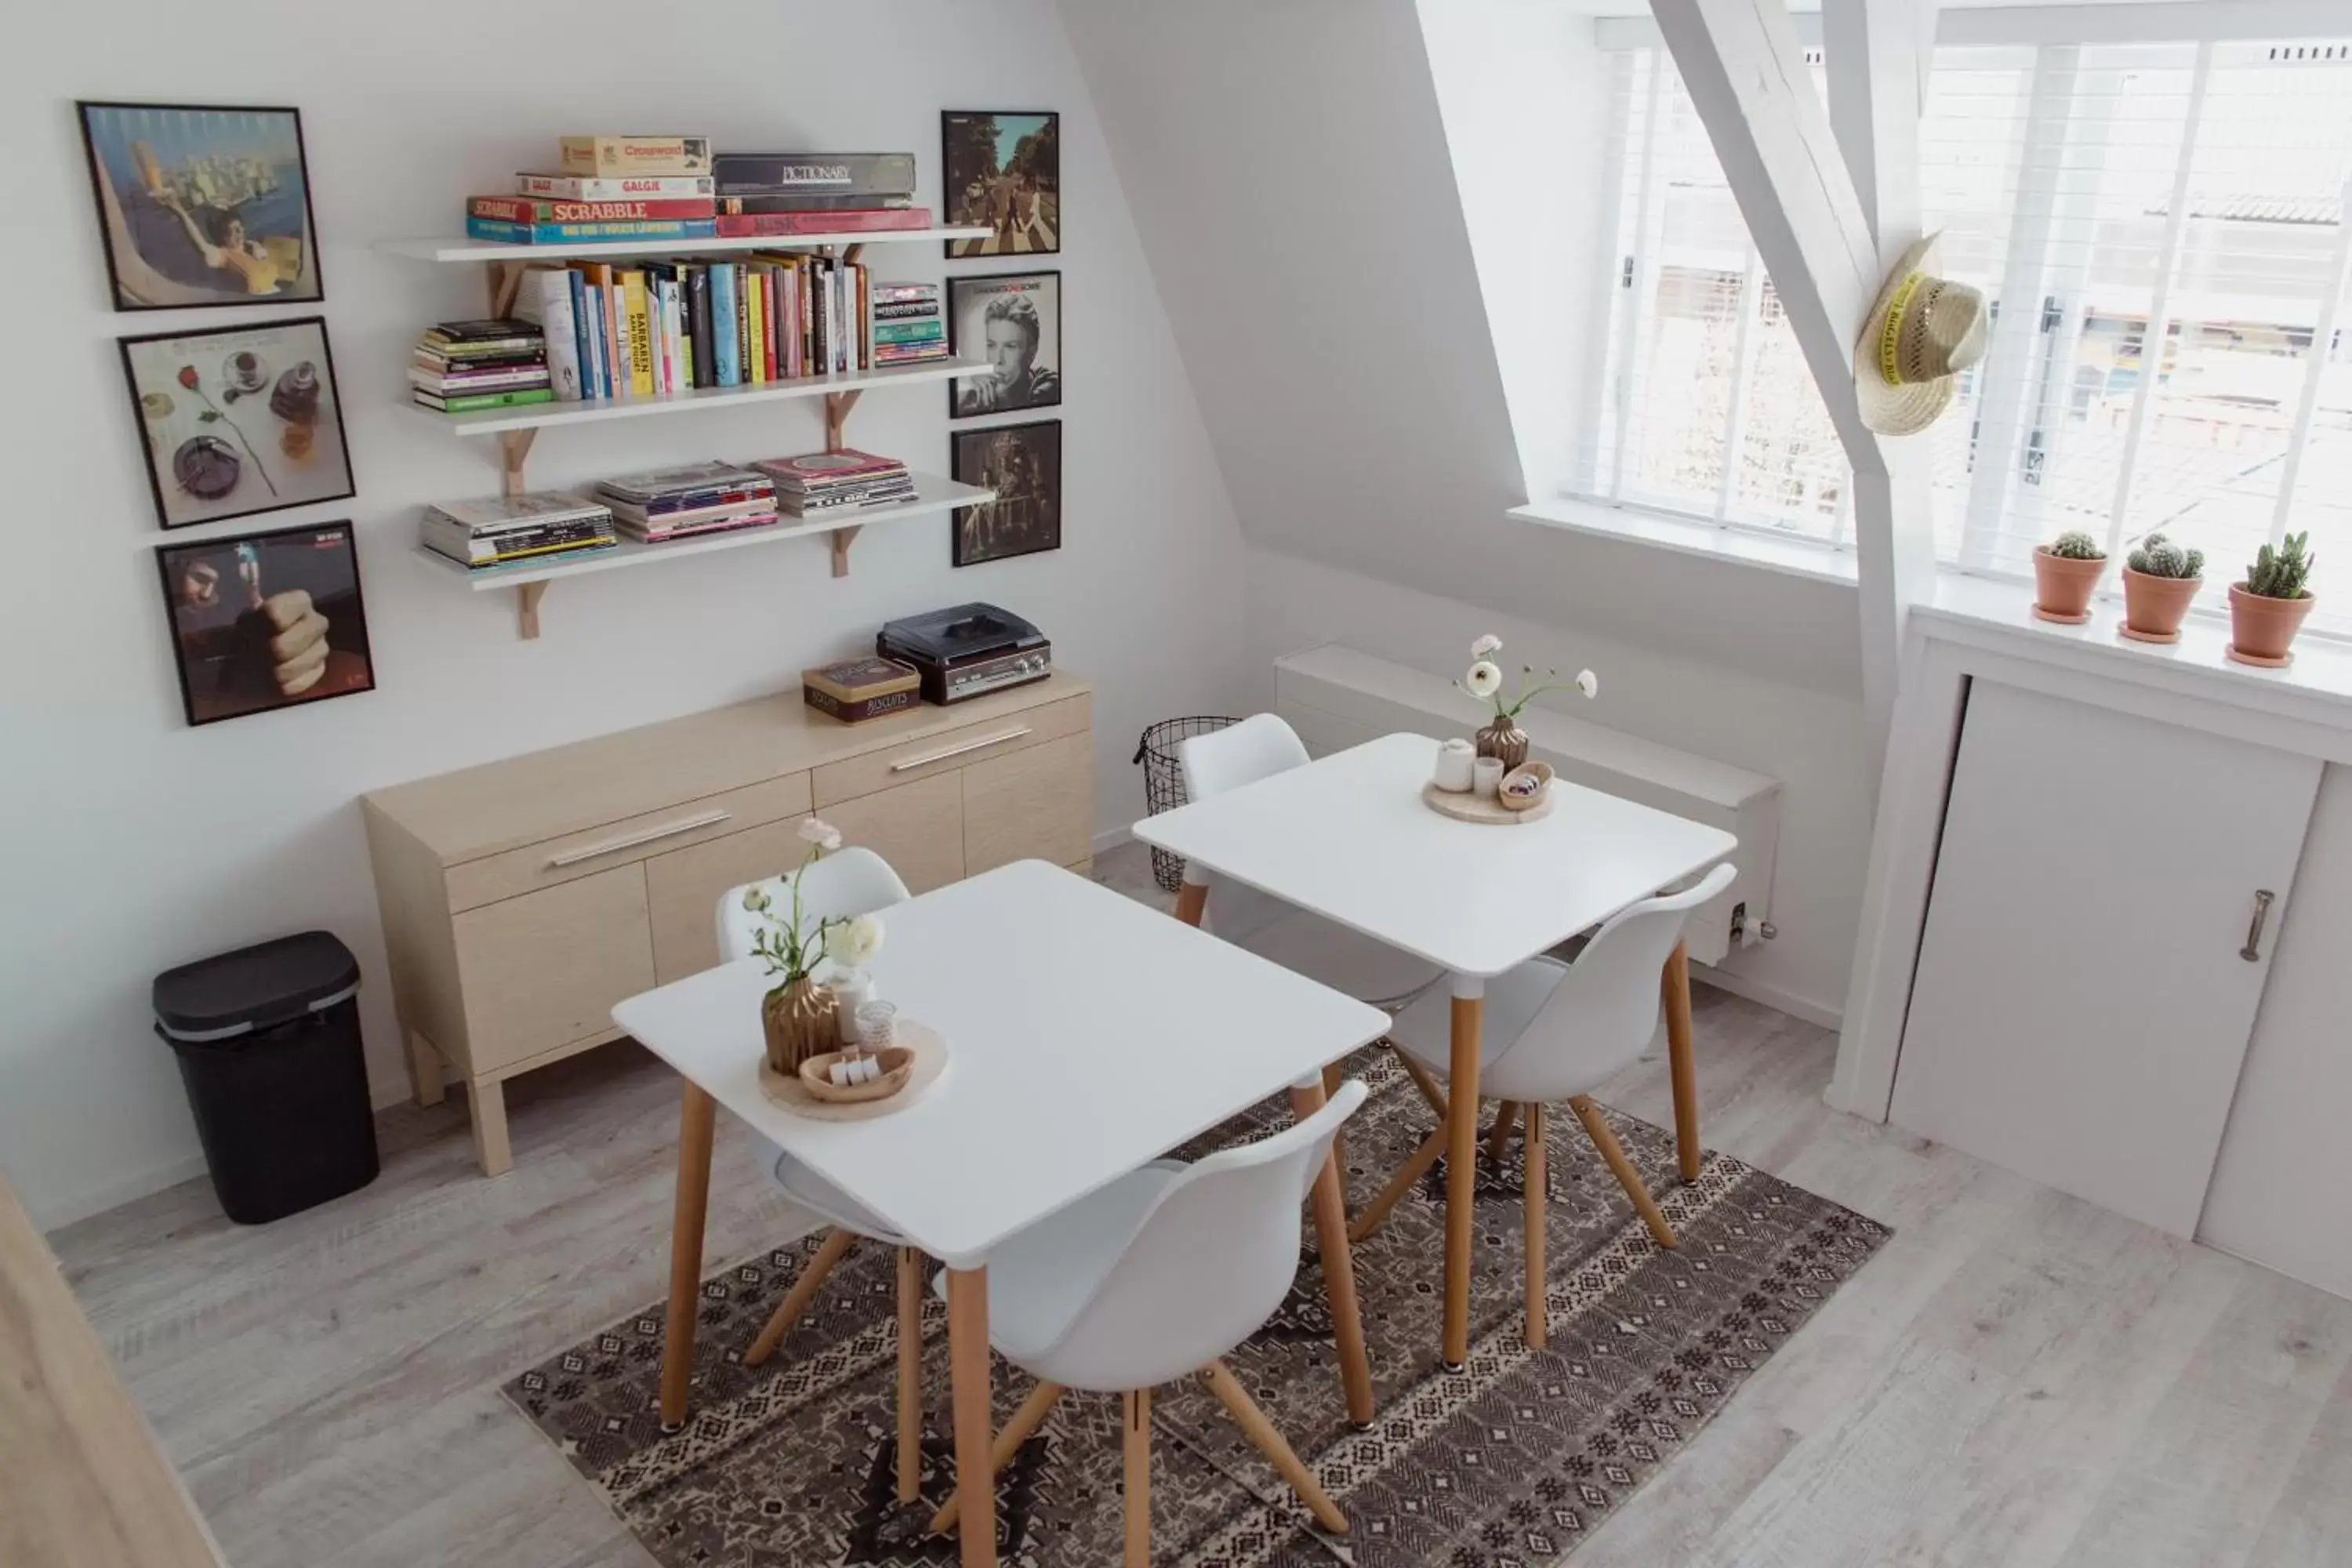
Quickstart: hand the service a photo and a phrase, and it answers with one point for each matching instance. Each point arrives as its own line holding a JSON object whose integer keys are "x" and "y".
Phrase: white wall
{"x": 1290, "y": 170}
{"x": 128, "y": 843}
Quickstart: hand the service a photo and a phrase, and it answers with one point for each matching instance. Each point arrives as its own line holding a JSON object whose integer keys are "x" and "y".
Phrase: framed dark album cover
{"x": 263, "y": 621}
{"x": 1014, "y": 321}
{"x": 201, "y": 205}
{"x": 1022, "y": 464}
{"x": 1003, "y": 171}
{"x": 235, "y": 421}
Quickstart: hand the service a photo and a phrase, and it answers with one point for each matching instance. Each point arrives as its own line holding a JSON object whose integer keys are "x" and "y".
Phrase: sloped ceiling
{"x": 1288, "y": 166}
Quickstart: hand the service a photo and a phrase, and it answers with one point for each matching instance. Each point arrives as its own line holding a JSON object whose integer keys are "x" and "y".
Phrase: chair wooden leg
{"x": 1674, "y": 991}
{"x": 797, "y": 1299}
{"x": 1191, "y": 902}
{"x": 1335, "y": 1074}
{"x": 1539, "y": 1176}
{"x": 1596, "y": 1126}
{"x": 1499, "y": 1138}
{"x": 1136, "y": 1417}
{"x": 911, "y": 1375}
{"x": 1423, "y": 1081}
{"x": 1412, "y": 1170}
{"x": 1339, "y": 1269}
{"x": 1017, "y": 1431}
{"x": 1269, "y": 1442}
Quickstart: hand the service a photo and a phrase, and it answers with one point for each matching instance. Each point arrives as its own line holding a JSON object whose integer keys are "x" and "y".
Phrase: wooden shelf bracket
{"x": 527, "y": 599}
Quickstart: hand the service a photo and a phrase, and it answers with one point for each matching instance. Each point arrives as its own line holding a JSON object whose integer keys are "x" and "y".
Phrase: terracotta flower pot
{"x": 798, "y": 1022}
{"x": 2062, "y": 585}
{"x": 1506, "y": 740}
{"x": 2261, "y": 630}
{"x": 2153, "y": 607}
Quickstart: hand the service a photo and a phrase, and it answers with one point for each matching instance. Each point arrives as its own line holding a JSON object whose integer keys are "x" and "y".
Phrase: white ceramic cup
{"x": 1454, "y": 769}
{"x": 1486, "y": 775}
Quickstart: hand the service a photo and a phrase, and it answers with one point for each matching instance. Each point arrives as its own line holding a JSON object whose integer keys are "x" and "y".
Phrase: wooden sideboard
{"x": 522, "y": 898}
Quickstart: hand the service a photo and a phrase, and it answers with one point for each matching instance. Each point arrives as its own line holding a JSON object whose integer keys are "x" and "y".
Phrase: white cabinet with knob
{"x": 2106, "y": 938}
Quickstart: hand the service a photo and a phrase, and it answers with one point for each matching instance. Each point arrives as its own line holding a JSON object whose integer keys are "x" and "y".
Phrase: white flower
{"x": 755, "y": 898}
{"x": 1486, "y": 645}
{"x": 1588, "y": 683}
{"x": 821, "y": 833}
{"x": 852, "y": 944}
{"x": 1484, "y": 679}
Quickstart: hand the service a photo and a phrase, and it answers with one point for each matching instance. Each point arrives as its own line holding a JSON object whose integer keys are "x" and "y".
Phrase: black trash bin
{"x": 269, "y": 1042}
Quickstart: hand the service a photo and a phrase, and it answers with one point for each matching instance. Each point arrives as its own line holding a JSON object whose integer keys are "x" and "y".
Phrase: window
{"x": 2106, "y": 199}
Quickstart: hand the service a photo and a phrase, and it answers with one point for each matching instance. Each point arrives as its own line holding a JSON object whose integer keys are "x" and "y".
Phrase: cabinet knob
{"x": 2252, "y": 951}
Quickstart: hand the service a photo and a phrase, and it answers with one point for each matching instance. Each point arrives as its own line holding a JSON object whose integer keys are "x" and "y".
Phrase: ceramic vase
{"x": 798, "y": 1022}
{"x": 1503, "y": 741}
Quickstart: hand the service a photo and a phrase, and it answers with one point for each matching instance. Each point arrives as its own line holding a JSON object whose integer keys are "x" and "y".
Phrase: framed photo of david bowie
{"x": 263, "y": 621}
{"x": 1014, "y": 321}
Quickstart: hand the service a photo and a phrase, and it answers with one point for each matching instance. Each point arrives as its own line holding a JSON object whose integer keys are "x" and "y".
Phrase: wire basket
{"x": 1163, "y": 782}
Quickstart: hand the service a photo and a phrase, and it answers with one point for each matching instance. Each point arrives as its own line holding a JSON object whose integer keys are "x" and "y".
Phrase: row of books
{"x": 654, "y": 329}
{"x": 685, "y": 501}
{"x": 673, "y": 188}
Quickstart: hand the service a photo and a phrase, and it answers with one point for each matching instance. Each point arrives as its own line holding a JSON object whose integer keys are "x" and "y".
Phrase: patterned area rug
{"x": 1507, "y": 1464}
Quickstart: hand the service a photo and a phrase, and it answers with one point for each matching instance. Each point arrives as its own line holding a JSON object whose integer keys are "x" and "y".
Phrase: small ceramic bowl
{"x": 1525, "y": 786}
{"x": 898, "y": 1066}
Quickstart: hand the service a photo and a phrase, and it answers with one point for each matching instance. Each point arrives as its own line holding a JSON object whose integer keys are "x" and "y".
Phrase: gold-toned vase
{"x": 800, "y": 1021}
{"x": 1504, "y": 740}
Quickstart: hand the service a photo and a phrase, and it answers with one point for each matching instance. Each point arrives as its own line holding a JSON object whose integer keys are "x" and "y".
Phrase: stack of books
{"x": 462, "y": 365}
{"x": 908, "y": 327}
{"x": 654, "y": 329}
{"x": 509, "y": 531}
{"x": 816, "y": 193}
{"x": 834, "y": 484}
{"x": 610, "y": 188}
{"x": 693, "y": 498}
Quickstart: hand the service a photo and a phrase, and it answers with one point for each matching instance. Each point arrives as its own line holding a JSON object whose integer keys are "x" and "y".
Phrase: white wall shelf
{"x": 933, "y": 495}
{"x": 591, "y": 410}
{"x": 463, "y": 249}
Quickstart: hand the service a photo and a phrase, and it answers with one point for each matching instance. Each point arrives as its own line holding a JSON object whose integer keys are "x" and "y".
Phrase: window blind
{"x": 2160, "y": 232}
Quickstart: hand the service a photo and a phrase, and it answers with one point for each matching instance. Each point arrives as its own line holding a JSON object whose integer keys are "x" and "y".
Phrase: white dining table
{"x": 1348, "y": 837}
{"x": 1086, "y": 1034}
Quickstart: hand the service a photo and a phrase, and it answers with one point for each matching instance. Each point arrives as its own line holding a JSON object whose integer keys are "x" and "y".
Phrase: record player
{"x": 967, "y": 651}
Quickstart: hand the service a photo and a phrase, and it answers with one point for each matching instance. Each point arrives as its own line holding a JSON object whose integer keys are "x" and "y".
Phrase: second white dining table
{"x": 1348, "y": 837}
{"x": 1087, "y": 1034}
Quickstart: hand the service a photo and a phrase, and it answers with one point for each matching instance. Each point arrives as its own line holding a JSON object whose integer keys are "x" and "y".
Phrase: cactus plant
{"x": 2280, "y": 574}
{"x": 2077, "y": 546}
{"x": 2159, "y": 557}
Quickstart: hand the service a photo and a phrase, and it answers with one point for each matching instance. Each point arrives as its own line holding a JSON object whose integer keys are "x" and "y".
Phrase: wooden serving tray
{"x": 1487, "y": 813}
{"x": 930, "y": 1059}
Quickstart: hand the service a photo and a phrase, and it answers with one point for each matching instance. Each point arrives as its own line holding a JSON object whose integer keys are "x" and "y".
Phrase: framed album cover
{"x": 1003, "y": 170}
{"x": 263, "y": 621}
{"x": 1014, "y": 321}
{"x": 1022, "y": 464}
{"x": 235, "y": 421}
{"x": 201, "y": 205}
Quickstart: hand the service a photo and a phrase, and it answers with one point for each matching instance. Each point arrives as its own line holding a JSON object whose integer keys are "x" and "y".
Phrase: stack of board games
{"x": 690, "y": 499}
{"x": 509, "y": 531}
{"x": 610, "y": 188}
{"x": 784, "y": 194}
{"x": 834, "y": 484}
{"x": 908, "y": 326}
{"x": 464, "y": 366}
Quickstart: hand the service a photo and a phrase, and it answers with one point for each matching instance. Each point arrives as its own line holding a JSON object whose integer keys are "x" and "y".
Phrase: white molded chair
{"x": 846, "y": 883}
{"x": 1109, "y": 1295}
{"x": 1554, "y": 1032}
{"x": 1304, "y": 942}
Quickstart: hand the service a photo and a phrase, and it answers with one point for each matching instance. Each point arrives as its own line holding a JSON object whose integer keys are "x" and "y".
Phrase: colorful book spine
{"x": 615, "y": 187}
{"x": 755, "y": 326}
{"x": 466, "y": 402}
{"x": 640, "y": 334}
{"x": 728, "y": 361}
{"x": 770, "y": 299}
{"x": 505, "y": 233}
{"x": 635, "y": 154}
{"x": 860, "y": 220}
{"x": 547, "y": 300}
{"x": 531, "y": 210}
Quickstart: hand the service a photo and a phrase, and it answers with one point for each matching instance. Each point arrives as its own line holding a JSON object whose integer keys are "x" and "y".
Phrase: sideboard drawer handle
{"x": 614, "y": 846}
{"x": 945, "y": 752}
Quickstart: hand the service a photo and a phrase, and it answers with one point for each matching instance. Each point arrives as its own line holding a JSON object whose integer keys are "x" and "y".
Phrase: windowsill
{"x": 1740, "y": 547}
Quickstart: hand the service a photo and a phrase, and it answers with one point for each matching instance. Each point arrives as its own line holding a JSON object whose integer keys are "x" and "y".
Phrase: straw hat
{"x": 1921, "y": 333}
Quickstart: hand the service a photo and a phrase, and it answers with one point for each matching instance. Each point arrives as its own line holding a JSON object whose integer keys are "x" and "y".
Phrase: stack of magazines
{"x": 831, "y": 484}
{"x": 510, "y": 531}
{"x": 692, "y": 499}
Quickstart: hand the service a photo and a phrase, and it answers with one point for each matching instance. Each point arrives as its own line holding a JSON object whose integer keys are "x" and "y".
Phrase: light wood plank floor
{"x": 2019, "y": 1379}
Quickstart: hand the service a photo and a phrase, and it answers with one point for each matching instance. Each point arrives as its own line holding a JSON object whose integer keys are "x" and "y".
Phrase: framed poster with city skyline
{"x": 201, "y": 205}
{"x": 1003, "y": 170}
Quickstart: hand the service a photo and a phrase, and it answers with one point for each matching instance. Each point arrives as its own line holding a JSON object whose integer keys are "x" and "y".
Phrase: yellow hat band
{"x": 1890, "y": 330}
